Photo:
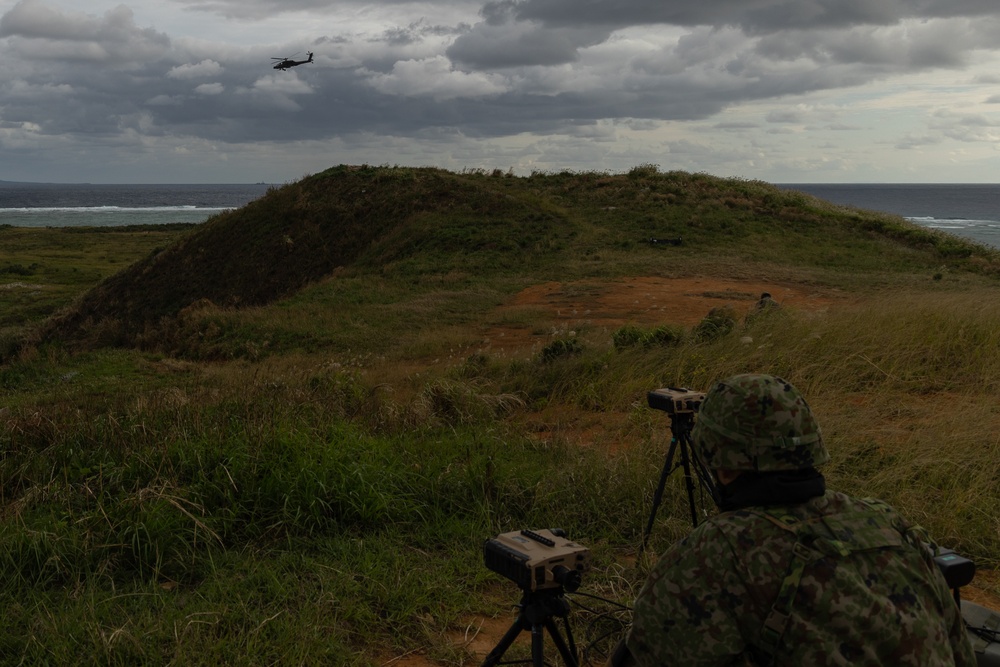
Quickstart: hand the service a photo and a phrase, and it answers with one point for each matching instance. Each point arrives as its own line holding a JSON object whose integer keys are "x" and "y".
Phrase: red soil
{"x": 640, "y": 301}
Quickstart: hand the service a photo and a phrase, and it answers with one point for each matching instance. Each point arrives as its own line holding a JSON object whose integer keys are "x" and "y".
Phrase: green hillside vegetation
{"x": 278, "y": 436}
{"x": 358, "y": 237}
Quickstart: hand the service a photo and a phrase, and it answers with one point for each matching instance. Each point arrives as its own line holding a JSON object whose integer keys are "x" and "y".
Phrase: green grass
{"x": 44, "y": 270}
{"x": 267, "y": 504}
{"x": 306, "y": 473}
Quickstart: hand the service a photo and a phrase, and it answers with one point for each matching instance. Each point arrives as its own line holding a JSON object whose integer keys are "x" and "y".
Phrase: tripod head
{"x": 675, "y": 401}
{"x": 538, "y": 559}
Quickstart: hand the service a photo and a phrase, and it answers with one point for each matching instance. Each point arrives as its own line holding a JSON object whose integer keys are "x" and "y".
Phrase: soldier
{"x": 766, "y": 305}
{"x": 789, "y": 574}
{"x": 767, "y": 302}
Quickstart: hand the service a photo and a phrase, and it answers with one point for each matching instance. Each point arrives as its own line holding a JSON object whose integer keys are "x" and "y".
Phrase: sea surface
{"x": 57, "y": 205}
{"x": 971, "y": 211}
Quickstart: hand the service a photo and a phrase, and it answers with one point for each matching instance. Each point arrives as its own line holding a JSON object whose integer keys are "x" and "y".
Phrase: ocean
{"x": 57, "y": 205}
{"x": 971, "y": 211}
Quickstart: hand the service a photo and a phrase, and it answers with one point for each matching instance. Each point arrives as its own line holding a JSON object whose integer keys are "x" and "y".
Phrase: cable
{"x": 603, "y": 628}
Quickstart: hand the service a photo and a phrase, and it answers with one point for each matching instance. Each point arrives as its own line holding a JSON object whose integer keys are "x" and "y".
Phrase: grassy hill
{"x": 282, "y": 436}
{"x": 409, "y": 228}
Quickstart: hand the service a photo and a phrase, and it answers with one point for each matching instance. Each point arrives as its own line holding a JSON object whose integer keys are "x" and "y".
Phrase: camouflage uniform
{"x": 766, "y": 302}
{"x": 885, "y": 603}
{"x": 830, "y": 581}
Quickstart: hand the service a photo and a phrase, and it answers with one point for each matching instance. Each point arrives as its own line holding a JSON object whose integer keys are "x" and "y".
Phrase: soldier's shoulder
{"x": 835, "y": 502}
{"x": 878, "y": 511}
{"x": 713, "y": 540}
{"x": 743, "y": 530}
{"x": 772, "y": 527}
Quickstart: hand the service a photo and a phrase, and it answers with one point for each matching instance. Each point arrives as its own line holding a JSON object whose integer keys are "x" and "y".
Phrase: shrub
{"x": 664, "y": 336}
{"x": 559, "y": 348}
{"x": 627, "y": 336}
{"x": 630, "y": 336}
{"x": 719, "y": 322}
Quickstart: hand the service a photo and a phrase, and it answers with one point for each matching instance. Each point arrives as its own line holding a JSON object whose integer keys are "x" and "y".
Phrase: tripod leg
{"x": 494, "y": 656}
{"x": 568, "y": 654}
{"x": 689, "y": 483}
{"x": 658, "y": 495}
{"x": 537, "y": 645}
{"x": 707, "y": 480}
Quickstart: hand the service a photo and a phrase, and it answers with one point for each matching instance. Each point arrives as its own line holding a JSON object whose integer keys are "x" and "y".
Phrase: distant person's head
{"x": 756, "y": 424}
{"x": 765, "y": 295}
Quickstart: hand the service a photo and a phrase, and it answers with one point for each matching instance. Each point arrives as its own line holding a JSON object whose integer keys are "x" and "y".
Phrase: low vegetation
{"x": 277, "y": 437}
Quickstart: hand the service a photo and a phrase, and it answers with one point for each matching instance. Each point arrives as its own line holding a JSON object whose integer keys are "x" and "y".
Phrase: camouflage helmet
{"x": 757, "y": 422}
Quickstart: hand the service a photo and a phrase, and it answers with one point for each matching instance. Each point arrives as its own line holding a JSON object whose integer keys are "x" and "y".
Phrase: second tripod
{"x": 681, "y": 405}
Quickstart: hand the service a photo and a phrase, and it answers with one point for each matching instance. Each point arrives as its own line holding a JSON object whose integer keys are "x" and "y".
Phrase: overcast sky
{"x": 786, "y": 91}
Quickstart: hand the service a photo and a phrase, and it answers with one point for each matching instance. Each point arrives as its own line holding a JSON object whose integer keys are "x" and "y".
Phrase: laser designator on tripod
{"x": 681, "y": 406}
{"x": 545, "y": 565}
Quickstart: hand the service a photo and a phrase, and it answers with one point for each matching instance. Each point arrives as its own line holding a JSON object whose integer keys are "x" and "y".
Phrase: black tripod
{"x": 538, "y": 609}
{"x": 680, "y": 430}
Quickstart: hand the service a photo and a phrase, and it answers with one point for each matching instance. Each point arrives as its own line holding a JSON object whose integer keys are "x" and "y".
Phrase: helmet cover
{"x": 757, "y": 422}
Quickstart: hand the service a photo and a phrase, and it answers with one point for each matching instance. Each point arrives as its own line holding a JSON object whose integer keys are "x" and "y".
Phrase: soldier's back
{"x": 866, "y": 592}
{"x": 832, "y": 581}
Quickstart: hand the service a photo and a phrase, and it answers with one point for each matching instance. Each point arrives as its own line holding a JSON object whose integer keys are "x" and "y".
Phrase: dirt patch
{"x": 481, "y": 635}
{"x": 652, "y": 300}
{"x": 538, "y": 312}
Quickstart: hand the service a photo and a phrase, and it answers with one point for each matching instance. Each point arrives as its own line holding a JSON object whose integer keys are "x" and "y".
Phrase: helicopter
{"x": 285, "y": 63}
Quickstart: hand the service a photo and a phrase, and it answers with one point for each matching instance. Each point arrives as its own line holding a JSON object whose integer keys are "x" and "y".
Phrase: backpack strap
{"x": 817, "y": 538}
{"x": 781, "y": 611}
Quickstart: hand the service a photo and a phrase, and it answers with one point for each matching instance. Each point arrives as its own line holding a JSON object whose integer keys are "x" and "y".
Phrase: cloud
{"x": 517, "y": 70}
{"x": 914, "y": 142}
{"x": 786, "y": 116}
{"x": 737, "y": 125}
{"x": 206, "y": 68}
{"x": 543, "y": 73}
{"x": 38, "y": 31}
{"x": 253, "y": 8}
{"x": 517, "y": 44}
{"x": 32, "y": 19}
{"x": 751, "y": 16}
{"x": 257, "y": 9}
{"x": 164, "y": 100}
{"x": 436, "y": 78}
{"x": 210, "y": 89}
{"x": 966, "y": 127}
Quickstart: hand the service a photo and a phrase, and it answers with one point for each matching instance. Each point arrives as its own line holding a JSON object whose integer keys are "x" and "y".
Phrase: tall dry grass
{"x": 904, "y": 384}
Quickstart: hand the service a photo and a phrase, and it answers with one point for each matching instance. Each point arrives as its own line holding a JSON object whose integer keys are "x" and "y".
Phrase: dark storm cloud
{"x": 74, "y": 73}
{"x": 939, "y": 44}
{"x": 69, "y": 74}
{"x": 500, "y": 46}
{"x": 266, "y": 8}
{"x": 43, "y": 32}
{"x": 361, "y": 85}
{"x": 751, "y": 15}
{"x": 531, "y": 66}
{"x": 550, "y": 32}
